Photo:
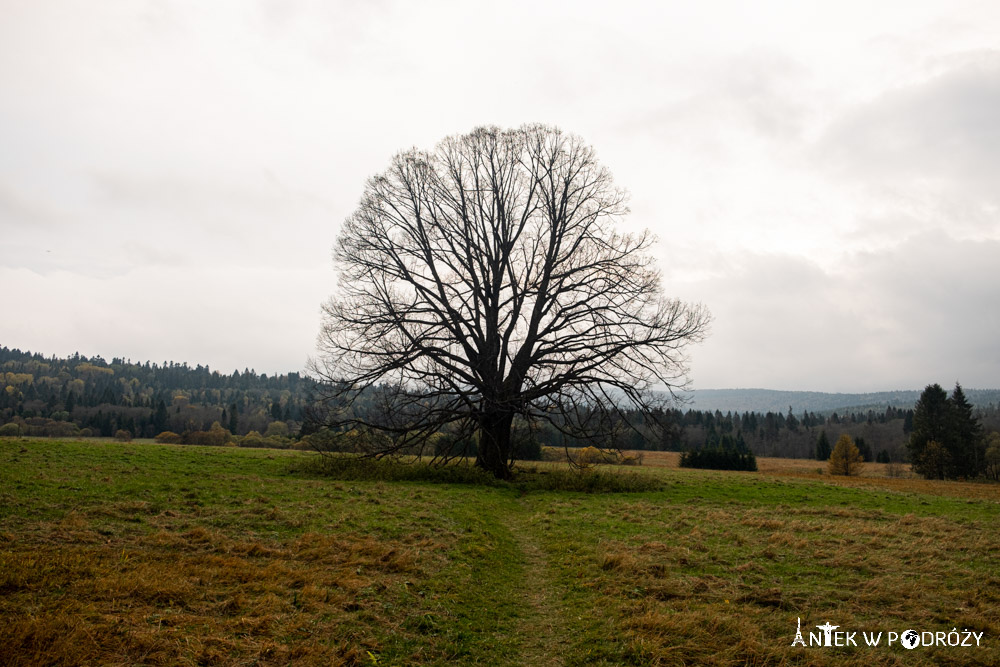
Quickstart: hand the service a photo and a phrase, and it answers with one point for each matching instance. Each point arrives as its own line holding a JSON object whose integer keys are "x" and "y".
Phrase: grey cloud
{"x": 940, "y": 294}
{"x": 922, "y": 311}
{"x": 940, "y": 135}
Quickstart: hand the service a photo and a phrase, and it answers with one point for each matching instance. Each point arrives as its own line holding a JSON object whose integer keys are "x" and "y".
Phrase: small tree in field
{"x": 845, "y": 458}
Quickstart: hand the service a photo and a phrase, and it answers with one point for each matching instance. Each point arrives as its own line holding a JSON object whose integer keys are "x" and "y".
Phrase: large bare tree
{"x": 486, "y": 281}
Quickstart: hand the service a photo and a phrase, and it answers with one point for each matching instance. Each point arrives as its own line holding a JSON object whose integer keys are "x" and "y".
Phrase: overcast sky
{"x": 824, "y": 177}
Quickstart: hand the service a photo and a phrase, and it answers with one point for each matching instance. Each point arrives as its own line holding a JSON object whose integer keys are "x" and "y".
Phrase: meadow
{"x": 135, "y": 553}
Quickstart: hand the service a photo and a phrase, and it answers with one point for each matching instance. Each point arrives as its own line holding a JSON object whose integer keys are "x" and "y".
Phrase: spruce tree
{"x": 234, "y": 418}
{"x": 865, "y": 450}
{"x": 967, "y": 451}
{"x": 931, "y": 423}
{"x": 822, "y": 447}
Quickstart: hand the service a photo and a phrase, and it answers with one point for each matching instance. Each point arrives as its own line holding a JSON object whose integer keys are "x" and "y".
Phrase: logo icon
{"x": 910, "y": 639}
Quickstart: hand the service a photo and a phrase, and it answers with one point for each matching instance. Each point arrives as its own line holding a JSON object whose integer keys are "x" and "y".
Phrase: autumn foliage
{"x": 845, "y": 458}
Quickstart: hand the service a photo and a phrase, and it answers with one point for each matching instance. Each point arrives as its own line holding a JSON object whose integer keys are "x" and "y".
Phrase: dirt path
{"x": 542, "y": 627}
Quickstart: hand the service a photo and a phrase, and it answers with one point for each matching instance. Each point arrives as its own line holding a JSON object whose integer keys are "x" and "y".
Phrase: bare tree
{"x": 486, "y": 281}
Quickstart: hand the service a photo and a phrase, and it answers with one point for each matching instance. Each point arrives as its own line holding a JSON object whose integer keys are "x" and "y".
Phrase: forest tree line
{"x": 81, "y": 396}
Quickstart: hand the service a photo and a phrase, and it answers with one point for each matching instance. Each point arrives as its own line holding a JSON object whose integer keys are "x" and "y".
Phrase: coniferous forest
{"x": 81, "y": 396}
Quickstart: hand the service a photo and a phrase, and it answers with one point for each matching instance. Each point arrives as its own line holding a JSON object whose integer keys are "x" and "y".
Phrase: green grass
{"x": 154, "y": 554}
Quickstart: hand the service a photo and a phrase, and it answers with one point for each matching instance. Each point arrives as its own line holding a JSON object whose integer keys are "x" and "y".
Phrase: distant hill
{"x": 769, "y": 400}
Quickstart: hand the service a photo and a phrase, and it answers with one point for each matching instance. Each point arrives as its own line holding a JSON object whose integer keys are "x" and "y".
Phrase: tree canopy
{"x": 486, "y": 280}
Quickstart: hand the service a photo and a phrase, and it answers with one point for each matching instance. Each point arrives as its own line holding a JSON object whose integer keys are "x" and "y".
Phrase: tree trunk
{"x": 495, "y": 443}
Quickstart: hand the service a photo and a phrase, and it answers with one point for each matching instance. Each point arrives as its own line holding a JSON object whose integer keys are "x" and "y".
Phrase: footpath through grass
{"x": 152, "y": 554}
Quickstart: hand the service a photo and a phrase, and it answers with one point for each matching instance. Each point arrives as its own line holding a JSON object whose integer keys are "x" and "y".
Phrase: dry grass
{"x": 874, "y": 475}
{"x": 163, "y": 555}
{"x": 720, "y": 590}
{"x": 72, "y": 596}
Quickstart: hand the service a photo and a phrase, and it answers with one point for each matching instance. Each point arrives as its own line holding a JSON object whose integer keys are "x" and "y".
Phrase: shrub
{"x": 554, "y": 454}
{"x": 525, "y": 446}
{"x": 61, "y": 429}
{"x": 993, "y": 456}
{"x": 121, "y": 435}
{"x": 10, "y": 430}
{"x": 252, "y": 439}
{"x": 355, "y": 441}
{"x": 591, "y": 455}
{"x": 277, "y": 429}
{"x": 214, "y": 437}
{"x": 631, "y": 459}
{"x": 447, "y": 445}
{"x": 168, "y": 438}
{"x": 719, "y": 458}
{"x": 346, "y": 467}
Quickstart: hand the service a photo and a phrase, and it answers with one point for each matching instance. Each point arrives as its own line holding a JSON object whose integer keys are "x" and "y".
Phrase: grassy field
{"x": 116, "y": 553}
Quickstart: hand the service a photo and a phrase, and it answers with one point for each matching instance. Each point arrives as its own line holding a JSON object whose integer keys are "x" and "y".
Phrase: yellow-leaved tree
{"x": 845, "y": 458}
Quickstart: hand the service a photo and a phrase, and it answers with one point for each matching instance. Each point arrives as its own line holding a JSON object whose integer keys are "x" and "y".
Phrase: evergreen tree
{"x": 967, "y": 445}
{"x": 947, "y": 438}
{"x": 234, "y": 418}
{"x": 160, "y": 417}
{"x": 932, "y": 420}
{"x": 822, "y": 447}
{"x": 865, "y": 450}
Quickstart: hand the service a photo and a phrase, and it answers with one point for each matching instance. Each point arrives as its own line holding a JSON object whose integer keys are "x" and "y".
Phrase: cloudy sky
{"x": 823, "y": 176}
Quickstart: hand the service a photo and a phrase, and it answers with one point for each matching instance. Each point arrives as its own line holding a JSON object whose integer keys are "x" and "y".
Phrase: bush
{"x": 347, "y": 467}
{"x": 252, "y": 439}
{"x": 61, "y": 429}
{"x": 168, "y": 438}
{"x": 213, "y": 437}
{"x": 631, "y": 459}
{"x": 719, "y": 459}
{"x": 993, "y": 456}
{"x": 396, "y": 470}
{"x": 355, "y": 441}
{"x": 277, "y": 429}
{"x": 591, "y": 455}
{"x": 10, "y": 430}
{"x": 449, "y": 446}
{"x": 121, "y": 435}
{"x": 526, "y": 447}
